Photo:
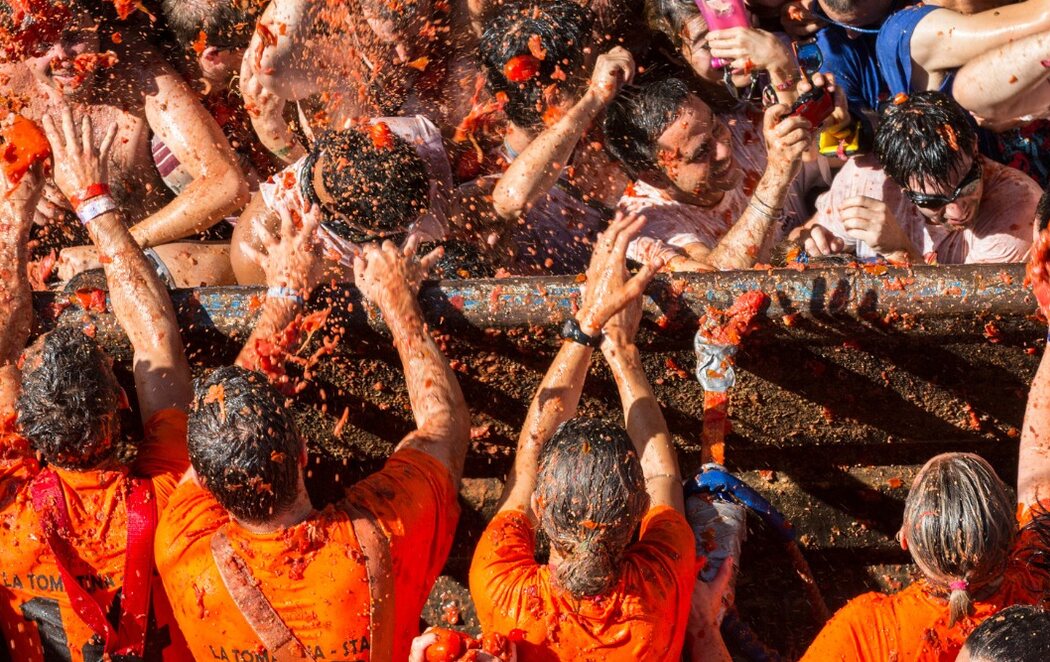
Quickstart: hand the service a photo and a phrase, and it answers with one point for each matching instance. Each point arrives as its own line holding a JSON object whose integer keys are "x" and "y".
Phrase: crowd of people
{"x": 148, "y": 146}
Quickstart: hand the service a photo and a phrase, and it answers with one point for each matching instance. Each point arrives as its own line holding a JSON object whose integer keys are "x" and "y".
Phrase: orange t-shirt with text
{"x": 36, "y": 616}
{"x": 313, "y": 573}
{"x": 642, "y": 617}
{"x": 912, "y": 625}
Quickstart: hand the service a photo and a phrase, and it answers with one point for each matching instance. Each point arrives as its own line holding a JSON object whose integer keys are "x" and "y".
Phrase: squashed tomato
{"x": 24, "y": 145}
{"x": 521, "y": 68}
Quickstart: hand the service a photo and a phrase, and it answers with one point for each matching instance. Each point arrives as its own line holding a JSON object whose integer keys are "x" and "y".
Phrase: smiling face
{"x": 56, "y": 68}
{"x": 696, "y": 52}
{"x": 696, "y": 154}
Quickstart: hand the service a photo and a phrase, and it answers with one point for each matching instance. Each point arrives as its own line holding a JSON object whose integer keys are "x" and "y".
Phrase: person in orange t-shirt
{"x": 978, "y": 551}
{"x": 590, "y": 485}
{"x": 64, "y": 527}
{"x": 245, "y": 512}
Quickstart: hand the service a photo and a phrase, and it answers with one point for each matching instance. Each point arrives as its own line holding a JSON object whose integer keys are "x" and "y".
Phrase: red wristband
{"x": 93, "y": 191}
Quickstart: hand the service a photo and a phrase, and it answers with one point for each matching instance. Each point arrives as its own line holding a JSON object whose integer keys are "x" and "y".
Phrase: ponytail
{"x": 960, "y": 603}
{"x": 591, "y": 570}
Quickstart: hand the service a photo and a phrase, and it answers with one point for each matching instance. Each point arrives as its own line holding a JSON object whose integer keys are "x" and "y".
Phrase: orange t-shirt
{"x": 313, "y": 573}
{"x": 36, "y": 616}
{"x": 912, "y": 625}
{"x": 643, "y": 617}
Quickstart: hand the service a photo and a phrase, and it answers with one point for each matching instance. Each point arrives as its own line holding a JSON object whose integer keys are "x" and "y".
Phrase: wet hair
{"x": 563, "y": 28}
{"x": 638, "y": 116}
{"x": 590, "y": 498}
{"x": 226, "y": 24}
{"x": 69, "y": 400}
{"x": 1020, "y": 633}
{"x": 960, "y": 526}
{"x": 925, "y": 139}
{"x": 243, "y": 444}
{"x": 381, "y": 189}
{"x": 1042, "y": 210}
{"x": 669, "y": 17}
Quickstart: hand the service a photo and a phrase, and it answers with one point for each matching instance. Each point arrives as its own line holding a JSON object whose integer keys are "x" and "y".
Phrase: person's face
{"x": 219, "y": 66}
{"x": 696, "y": 154}
{"x": 964, "y": 655}
{"x": 56, "y": 67}
{"x": 962, "y": 211}
{"x": 861, "y": 14}
{"x": 695, "y": 51}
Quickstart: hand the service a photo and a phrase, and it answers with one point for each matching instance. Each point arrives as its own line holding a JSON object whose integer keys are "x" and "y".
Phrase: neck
{"x": 518, "y": 138}
{"x": 298, "y": 512}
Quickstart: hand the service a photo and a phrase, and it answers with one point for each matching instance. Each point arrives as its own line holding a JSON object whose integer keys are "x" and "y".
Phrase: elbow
{"x": 230, "y": 188}
{"x": 506, "y": 202}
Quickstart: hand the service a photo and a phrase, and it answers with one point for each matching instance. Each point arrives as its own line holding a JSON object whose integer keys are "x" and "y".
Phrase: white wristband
{"x": 95, "y": 207}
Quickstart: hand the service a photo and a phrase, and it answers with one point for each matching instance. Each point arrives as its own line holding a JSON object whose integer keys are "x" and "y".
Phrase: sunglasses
{"x": 935, "y": 202}
{"x": 818, "y": 11}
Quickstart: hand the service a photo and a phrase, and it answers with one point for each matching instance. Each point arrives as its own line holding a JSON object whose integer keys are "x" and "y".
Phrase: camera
{"x": 815, "y": 105}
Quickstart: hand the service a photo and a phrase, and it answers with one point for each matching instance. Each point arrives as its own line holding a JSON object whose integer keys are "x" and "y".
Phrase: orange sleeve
{"x": 854, "y": 633}
{"x": 162, "y": 455}
{"x": 503, "y": 561}
{"x": 664, "y": 560}
{"x": 192, "y": 516}
{"x": 414, "y": 501}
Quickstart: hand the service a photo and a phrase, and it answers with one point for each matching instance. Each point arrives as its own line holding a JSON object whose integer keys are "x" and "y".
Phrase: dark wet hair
{"x": 669, "y": 17}
{"x": 1020, "y": 633}
{"x": 638, "y": 116}
{"x": 243, "y": 444}
{"x": 591, "y": 497}
{"x": 960, "y": 526}
{"x": 226, "y": 24}
{"x": 563, "y": 28}
{"x": 925, "y": 138}
{"x": 379, "y": 189}
{"x": 68, "y": 404}
{"x": 1042, "y": 210}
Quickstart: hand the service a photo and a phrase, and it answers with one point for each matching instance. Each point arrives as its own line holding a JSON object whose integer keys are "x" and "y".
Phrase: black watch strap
{"x": 571, "y": 331}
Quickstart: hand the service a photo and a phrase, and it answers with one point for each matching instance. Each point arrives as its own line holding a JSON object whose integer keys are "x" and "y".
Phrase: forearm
{"x": 140, "y": 301}
{"x": 438, "y": 406}
{"x": 751, "y": 235}
{"x": 945, "y": 40}
{"x": 784, "y": 74}
{"x": 16, "y": 299}
{"x": 1006, "y": 83}
{"x": 1033, "y": 461}
{"x": 555, "y": 402}
{"x": 710, "y": 647}
{"x": 275, "y": 135}
{"x": 206, "y": 201}
{"x": 645, "y": 424}
{"x": 538, "y": 167}
{"x": 276, "y": 314}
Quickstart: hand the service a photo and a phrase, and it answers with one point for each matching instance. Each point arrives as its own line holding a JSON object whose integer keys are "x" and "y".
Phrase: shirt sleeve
{"x": 503, "y": 562}
{"x": 17, "y": 461}
{"x": 828, "y": 204}
{"x": 414, "y": 501}
{"x": 894, "y": 47}
{"x": 191, "y": 517}
{"x": 851, "y": 634}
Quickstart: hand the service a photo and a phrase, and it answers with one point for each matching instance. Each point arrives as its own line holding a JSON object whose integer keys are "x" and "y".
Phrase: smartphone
{"x": 722, "y": 15}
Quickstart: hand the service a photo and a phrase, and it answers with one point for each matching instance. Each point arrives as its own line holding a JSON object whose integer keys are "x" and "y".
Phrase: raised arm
{"x": 645, "y": 422}
{"x": 391, "y": 279}
{"x": 945, "y": 40}
{"x": 608, "y": 290}
{"x": 140, "y": 301}
{"x": 17, "y": 205}
{"x": 787, "y": 139}
{"x": 293, "y": 267}
{"x": 1033, "y": 456}
{"x": 538, "y": 167}
{"x": 219, "y": 188}
{"x": 1007, "y": 83}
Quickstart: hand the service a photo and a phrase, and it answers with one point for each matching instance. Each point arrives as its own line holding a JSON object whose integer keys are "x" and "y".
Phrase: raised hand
{"x": 78, "y": 163}
{"x": 293, "y": 260}
{"x": 609, "y": 287}
{"x": 612, "y": 71}
{"x": 387, "y": 274}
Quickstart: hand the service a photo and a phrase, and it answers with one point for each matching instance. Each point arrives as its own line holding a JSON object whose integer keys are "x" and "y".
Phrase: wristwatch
{"x": 571, "y": 331}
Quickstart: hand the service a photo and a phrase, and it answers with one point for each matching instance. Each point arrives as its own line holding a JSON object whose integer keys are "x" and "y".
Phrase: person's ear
{"x": 534, "y": 503}
{"x": 122, "y": 399}
{"x": 303, "y": 457}
{"x": 210, "y": 55}
{"x": 902, "y": 539}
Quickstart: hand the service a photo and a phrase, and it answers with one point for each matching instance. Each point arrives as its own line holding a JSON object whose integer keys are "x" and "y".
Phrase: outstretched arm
{"x": 1033, "y": 461}
{"x": 293, "y": 267}
{"x": 1008, "y": 82}
{"x": 945, "y": 40}
{"x": 17, "y": 205}
{"x": 140, "y": 301}
{"x": 608, "y": 290}
{"x": 219, "y": 188}
{"x": 390, "y": 278}
{"x": 645, "y": 422}
{"x": 538, "y": 167}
